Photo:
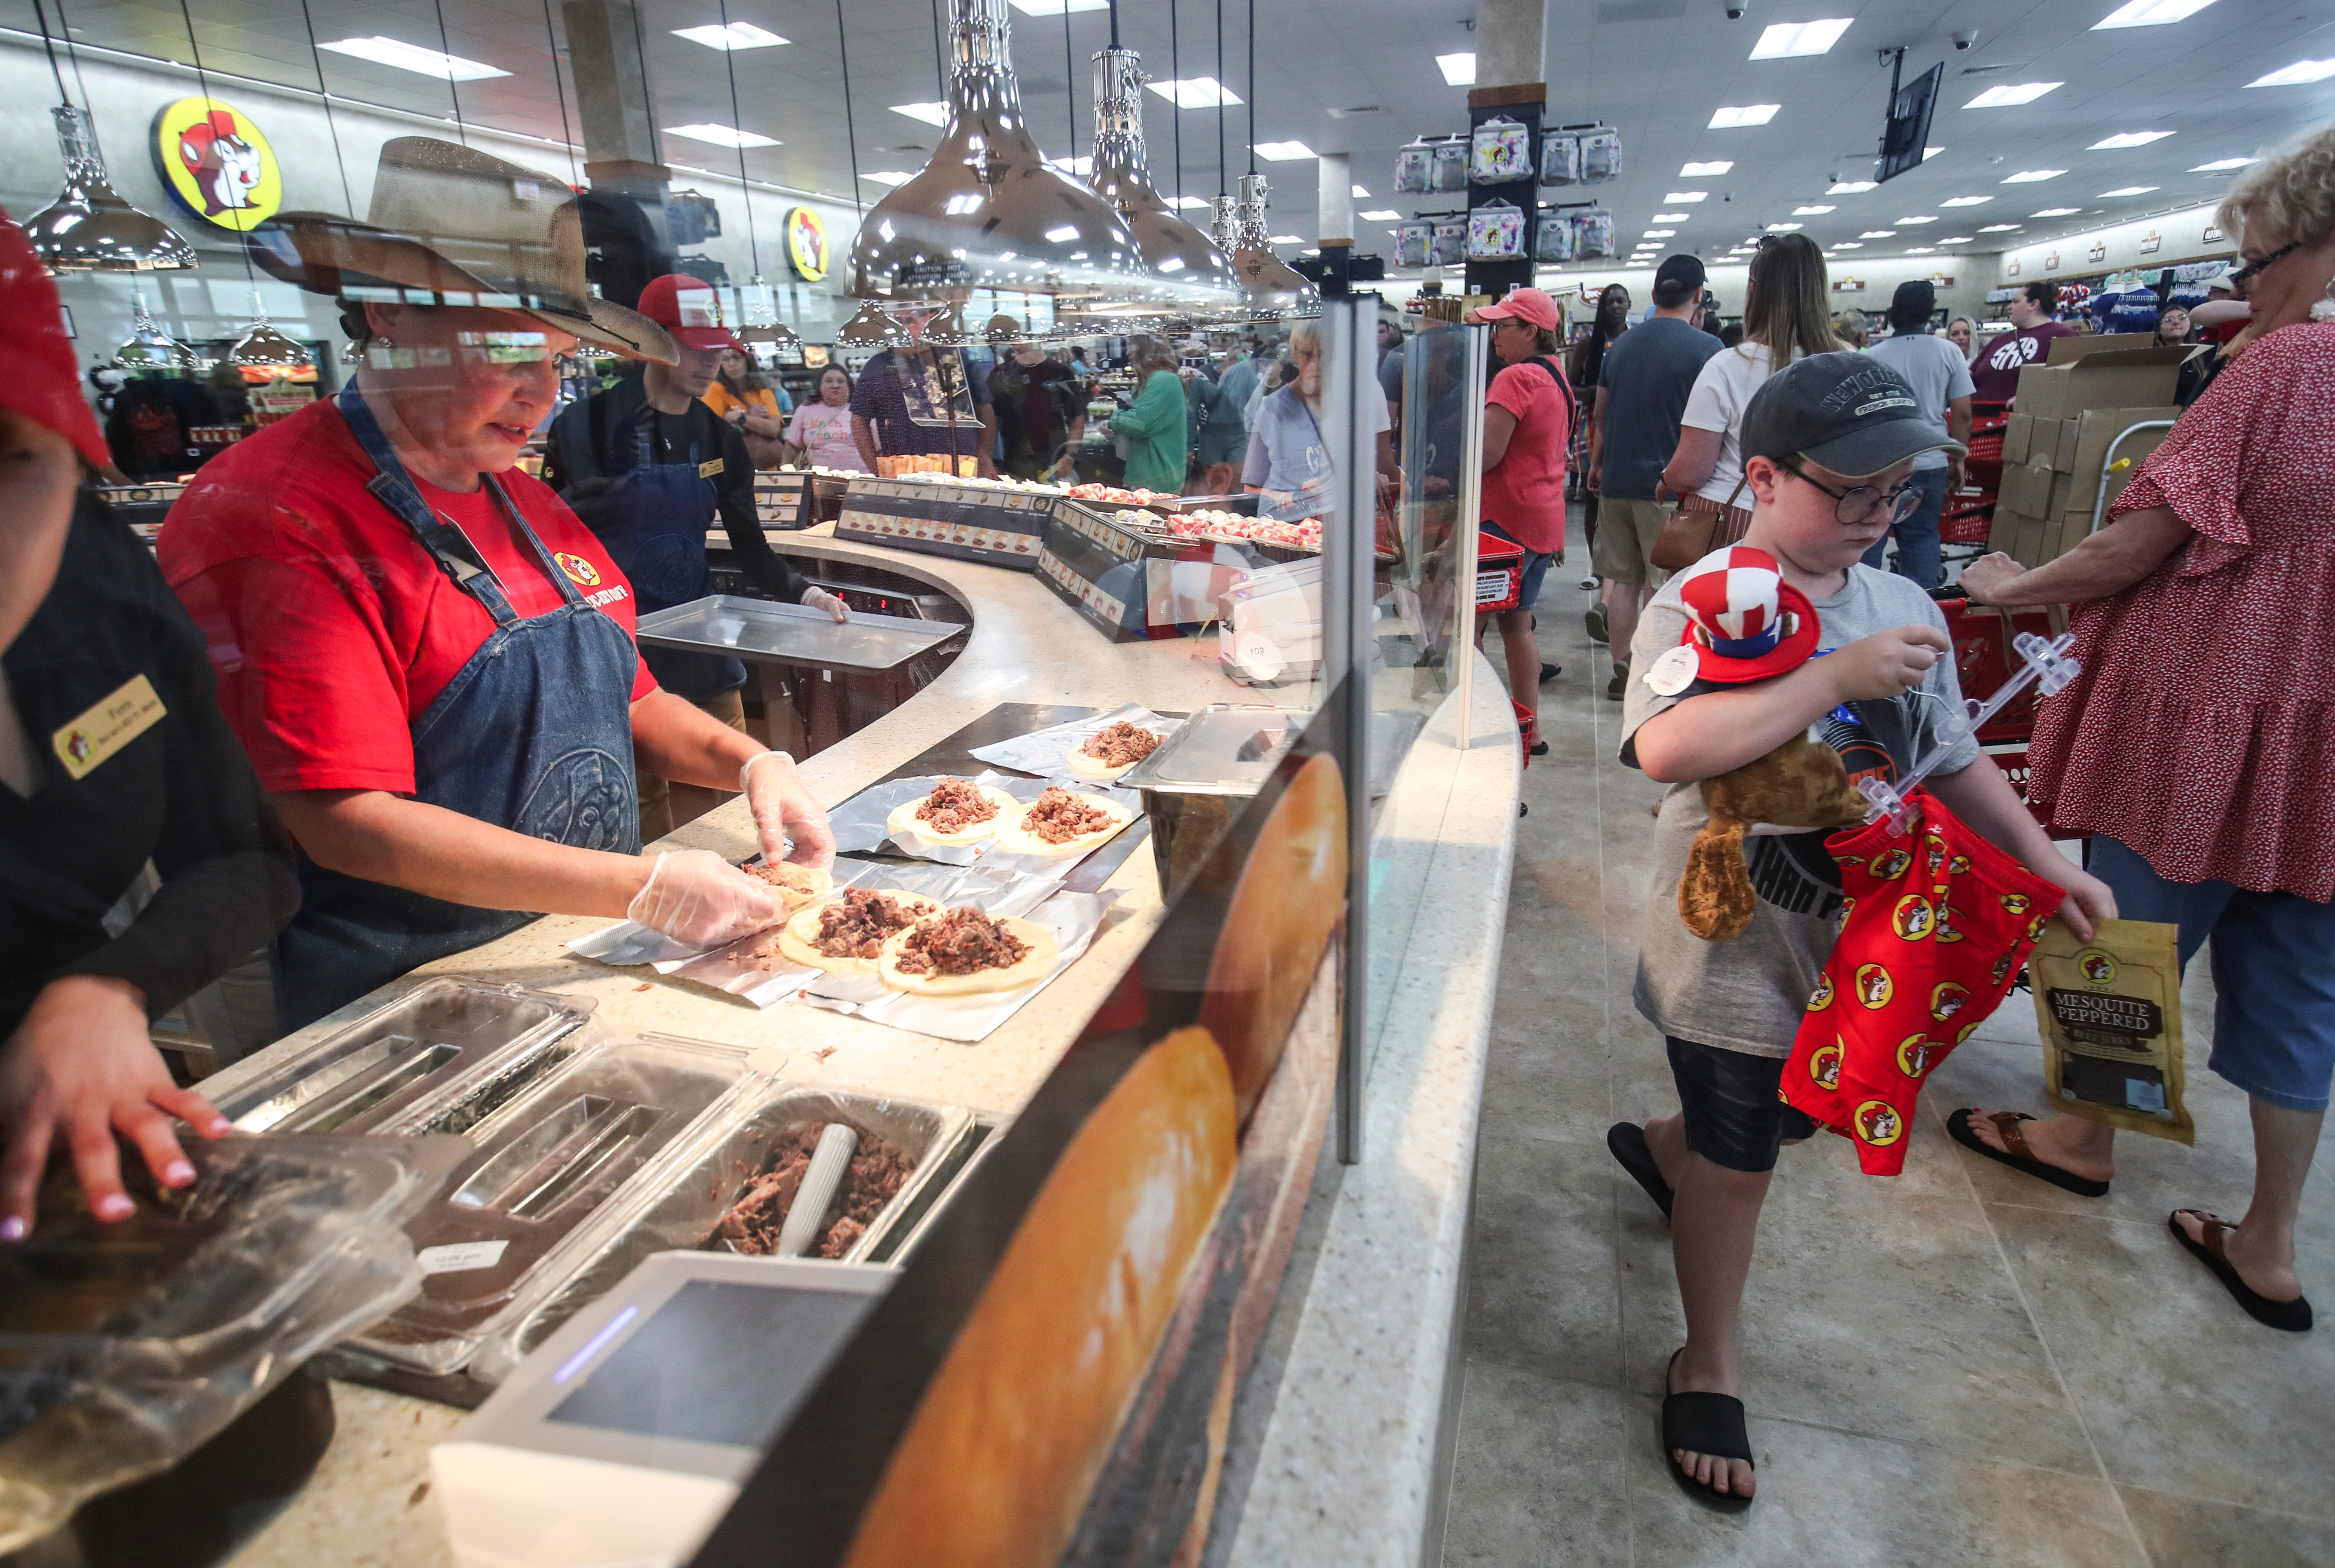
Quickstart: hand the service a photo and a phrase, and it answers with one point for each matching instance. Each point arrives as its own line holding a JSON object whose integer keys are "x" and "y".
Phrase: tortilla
{"x": 1014, "y": 839}
{"x": 798, "y": 937}
{"x": 903, "y": 821}
{"x": 1030, "y": 968}
{"x": 1085, "y": 764}
{"x": 795, "y": 886}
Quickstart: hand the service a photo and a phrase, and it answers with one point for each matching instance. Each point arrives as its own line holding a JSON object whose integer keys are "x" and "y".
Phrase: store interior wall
{"x": 2189, "y": 234}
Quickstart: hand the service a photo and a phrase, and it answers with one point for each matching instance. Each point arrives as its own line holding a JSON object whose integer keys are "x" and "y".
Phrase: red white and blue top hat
{"x": 1744, "y": 621}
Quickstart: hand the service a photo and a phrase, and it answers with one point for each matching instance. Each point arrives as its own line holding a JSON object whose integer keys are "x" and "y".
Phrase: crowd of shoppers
{"x": 1941, "y": 381}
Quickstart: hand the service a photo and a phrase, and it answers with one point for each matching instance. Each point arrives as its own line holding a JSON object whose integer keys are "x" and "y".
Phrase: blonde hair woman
{"x": 1288, "y": 462}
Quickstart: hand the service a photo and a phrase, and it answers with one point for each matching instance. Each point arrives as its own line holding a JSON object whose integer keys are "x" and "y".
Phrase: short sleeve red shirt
{"x": 1524, "y": 491}
{"x": 332, "y": 629}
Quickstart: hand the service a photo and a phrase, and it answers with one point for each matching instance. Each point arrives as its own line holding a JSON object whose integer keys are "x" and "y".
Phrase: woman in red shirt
{"x": 2196, "y": 747}
{"x": 1528, "y": 417}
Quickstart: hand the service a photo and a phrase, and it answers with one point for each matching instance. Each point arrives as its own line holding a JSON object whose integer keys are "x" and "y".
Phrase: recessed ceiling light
{"x": 1673, "y": 216}
{"x": 1851, "y": 186}
{"x": 1383, "y": 214}
{"x": 1679, "y": 196}
{"x": 1181, "y": 202}
{"x": 2007, "y": 95}
{"x": 1660, "y": 233}
{"x": 2128, "y": 190}
{"x": 1788, "y": 40}
{"x": 722, "y": 135}
{"x": 1810, "y": 211}
{"x": 736, "y": 35}
{"x": 1931, "y": 218}
{"x": 1921, "y": 250}
{"x": 930, "y": 113}
{"x": 2295, "y": 75}
{"x": 1783, "y": 228}
{"x": 1849, "y": 245}
{"x": 1953, "y": 239}
{"x": 2059, "y": 212}
{"x": 412, "y": 57}
{"x": 1064, "y": 235}
{"x": 2032, "y": 176}
{"x": 1283, "y": 152}
{"x": 889, "y": 177}
{"x": 1697, "y": 170}
{"x": 1358, "y": 191}
{"x": 1285, "y": 239}
{"x": 2150, "y": 12}
{"x": 1458, "y": 70}
{"x": 1194, "y": 92}
{"x": 1736, "y": 117}
{"x": 2128, "y": 138}
{"x": 1966, "y": 200}
{"x": 2221, "y": 166}
{"x": 1878, "y": 234}
{"x": 1056, "y": 7}
{"x": 1999, "y": 228}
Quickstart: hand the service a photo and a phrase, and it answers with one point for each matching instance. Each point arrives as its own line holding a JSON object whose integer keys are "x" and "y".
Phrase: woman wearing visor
{"x": 427, "y": 657}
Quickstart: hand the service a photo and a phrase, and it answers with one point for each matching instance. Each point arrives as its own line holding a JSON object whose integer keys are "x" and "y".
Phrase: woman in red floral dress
{"x": 2198, "y": 747}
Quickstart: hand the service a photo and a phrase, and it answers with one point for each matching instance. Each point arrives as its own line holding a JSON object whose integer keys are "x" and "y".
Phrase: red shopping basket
{"x": 2015, "y": 769}
{"x": 1967, "y": 520}
{"x": 1983, "y": 663}
{"x": 1500, "y": 574}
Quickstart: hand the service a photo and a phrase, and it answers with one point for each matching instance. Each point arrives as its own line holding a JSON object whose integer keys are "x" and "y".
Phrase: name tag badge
{"x": 125, "y": 714}
{"x": 710, "y": 466}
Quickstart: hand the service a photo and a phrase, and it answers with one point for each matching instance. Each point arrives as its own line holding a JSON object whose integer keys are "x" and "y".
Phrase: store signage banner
{"x": 215, "y": 163}
{"x": 806, "y": 244}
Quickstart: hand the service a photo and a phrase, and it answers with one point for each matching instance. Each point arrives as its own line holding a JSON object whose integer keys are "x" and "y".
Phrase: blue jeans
{"x": 1917, "y": 535}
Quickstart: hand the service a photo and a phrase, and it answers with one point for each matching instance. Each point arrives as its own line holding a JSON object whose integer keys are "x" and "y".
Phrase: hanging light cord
{"x": 730, "y": 59}
{"x": 203, "y": 81}
{"x": 850, "y": 132}
{"x": 566, "y": 133}
{"x": 49, "y": 44}
{"x": 454, "y": 95}
{"x": 89, "y": 114}
{"x": 1220, "y": 97}
{"x": 1175, "y": 116}
{"x": 1251, "y": 86}
{"x": 1070, "y": 84}
{"x": 316, "y": 58}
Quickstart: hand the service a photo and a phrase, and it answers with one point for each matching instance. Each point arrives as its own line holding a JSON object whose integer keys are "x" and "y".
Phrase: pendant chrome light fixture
{"x": 987, "y": 211}
{"x": 262, "y": 347}
{"x": 1275, "y": 292}
{"x": 89, "y": 226}
{"x": 150, "y": 348}
{"x": 1197, "y": 272}
{"x": 870, "y": 328}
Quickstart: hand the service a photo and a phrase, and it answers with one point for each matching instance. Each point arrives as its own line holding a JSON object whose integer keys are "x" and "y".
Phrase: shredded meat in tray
{"x": 1061, "y": 816}
{"x": 962, "y": 941}
{"x": 857, "y": 926}
{"x": 955, "y": 804}
{"x": 877, "y": 1171}
{"x": 1119, "y": 744}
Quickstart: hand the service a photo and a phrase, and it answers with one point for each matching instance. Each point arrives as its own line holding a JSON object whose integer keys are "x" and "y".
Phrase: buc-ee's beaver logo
{"x": 1947, "y": 930}
{"x": 1934, "y": 849}
{"x": 1914, "y": 919}
{"x": 1874, "y": 986}
{"x": 1917, "y": 1054}
{"x": 1822, "y": 999}
{"x": 2002, "y": 968}
{"x": 2098, "y": 966}
{"x": 581, "y": 572}
{"x": 2034, "y": 927}
{"x": 1891, "y": 866}
{"x": 2015, "y": 902}
{"x": 1957, "y": 865}
{"x": 1824, "y": 1066}
{"x": 1878, "y": 1123}
{"x": 1947, "y": 1000}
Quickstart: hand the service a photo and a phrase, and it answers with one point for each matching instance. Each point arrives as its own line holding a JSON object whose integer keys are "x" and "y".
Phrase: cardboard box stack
{"x": 2069, "y": 412}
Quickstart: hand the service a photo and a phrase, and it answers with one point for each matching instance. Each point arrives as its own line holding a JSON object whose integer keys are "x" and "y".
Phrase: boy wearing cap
{"x": 1733, "y": 659}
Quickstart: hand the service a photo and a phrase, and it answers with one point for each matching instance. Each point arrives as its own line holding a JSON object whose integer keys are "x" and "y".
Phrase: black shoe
{"x": 1549, "y": 672}
{"x": 1619, "y": 685}
{"x": 1594, "y": 619}
{"x": 1540, "y": 749}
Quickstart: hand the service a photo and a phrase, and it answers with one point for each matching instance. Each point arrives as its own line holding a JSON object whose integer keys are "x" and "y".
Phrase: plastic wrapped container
{"x": 1414, "y": 170}
{"x": 124, "y": 1347}
{"x": 1560, "y": 158}
{"x": 1500, "y": 151}
{"x": 1552, "y": 237}
{"x": 1496, "y": 232}
{"x": 1601, "y": 156}
{"x": 1413, "y": 242}
{"x": 1451, "y": 164}
{"x": 1447, "y": 245}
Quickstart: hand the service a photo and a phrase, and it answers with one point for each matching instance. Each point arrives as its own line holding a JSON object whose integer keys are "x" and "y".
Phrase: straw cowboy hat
{"x": 451, "y": 226}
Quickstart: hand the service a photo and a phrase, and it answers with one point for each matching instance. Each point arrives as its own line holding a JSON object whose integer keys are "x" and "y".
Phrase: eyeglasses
{"x": 1853, "y": 506}
{"x": 2253, "y": 269}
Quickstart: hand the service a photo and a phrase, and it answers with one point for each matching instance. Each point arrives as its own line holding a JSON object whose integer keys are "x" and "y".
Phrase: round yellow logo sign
{"x": 806, "y": 244}
{"x": 1878, "y": 1123}
{"x": 1947, "y": 1000}
{"x": 581, "y": 572}
{"x": 1916, "y": 1054}
{"x": 1914, "y": 917}
{"x": 217, "y": 163}
{"x": 2098, "y": 966}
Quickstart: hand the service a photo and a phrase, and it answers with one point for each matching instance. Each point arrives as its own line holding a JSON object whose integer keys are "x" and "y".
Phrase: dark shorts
{"x": 1535, "y": 566}
{"x": 1728, "y": 1099}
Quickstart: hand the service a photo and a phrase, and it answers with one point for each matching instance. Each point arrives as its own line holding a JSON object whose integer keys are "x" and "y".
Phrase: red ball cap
{"x": 1530, "y": 305}
{"x": 39, "y": 377}
{"x": 690, "y": 309}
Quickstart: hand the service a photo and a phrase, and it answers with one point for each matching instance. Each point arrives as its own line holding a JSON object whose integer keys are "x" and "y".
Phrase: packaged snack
{"x": 1560, "y": 158}
{"x": 1593, "y": 232}
{"x": 1412, "y": 242}
{"x": 1552, "y": 237}
{"x": 1448, "y": 246}
{"x": 1414, "y": 168}
{"x": 1501, "y": 150}
{"x": 1451, "y": 164}
{"x": 1601, "y": 156}
{"x": 1496, "y": 232}
{"x": 2111, "y": 1013}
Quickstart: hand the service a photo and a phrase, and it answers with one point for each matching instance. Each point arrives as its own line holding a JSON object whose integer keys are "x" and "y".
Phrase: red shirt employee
{"x": 1528, "y": 422}
{"x": 429, "y": 658}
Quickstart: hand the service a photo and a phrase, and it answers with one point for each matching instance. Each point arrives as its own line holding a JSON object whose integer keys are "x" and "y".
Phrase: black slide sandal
{"x": 1959, "y": 1128}
{"x": 2293, "y": 1316}
{"x": 1704, "y": 1424}
{"x": 1627, "y": 1140}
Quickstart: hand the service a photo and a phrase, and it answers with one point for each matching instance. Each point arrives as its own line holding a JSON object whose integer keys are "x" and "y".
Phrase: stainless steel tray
{"x": 791, "y": 634}
{"x": 1215, "y": 751}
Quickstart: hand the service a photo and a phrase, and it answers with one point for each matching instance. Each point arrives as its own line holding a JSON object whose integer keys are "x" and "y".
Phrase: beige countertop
{"x": 1453, "y": 808}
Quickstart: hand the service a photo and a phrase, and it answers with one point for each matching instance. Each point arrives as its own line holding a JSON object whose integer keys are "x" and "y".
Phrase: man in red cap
{"x": 1528, "y": 419}
{"x": 647, "y": 464}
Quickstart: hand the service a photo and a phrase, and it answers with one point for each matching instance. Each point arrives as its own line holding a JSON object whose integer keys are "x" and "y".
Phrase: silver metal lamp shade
{"x": 870, "y": 328}
{"x": 90, "y": 226}
{"x": 1275, "y": 292}
{"x": 985, "y": 211}
{"x": 1198, "y": 274}
{"x": 151, "y": 348}
{"x": 262, "y": 347}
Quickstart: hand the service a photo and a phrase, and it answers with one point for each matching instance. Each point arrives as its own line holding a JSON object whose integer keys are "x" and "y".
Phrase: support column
{"x": 626, "y": 239}
{"x": 1508, "y": 41}
{"x": 1509, "y": 35}
{"x": 1333, "y": 222}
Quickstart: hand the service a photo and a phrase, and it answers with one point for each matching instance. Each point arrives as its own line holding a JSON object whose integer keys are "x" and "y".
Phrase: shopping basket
{"x": 1982, "y": 639}
{"x": 2015, "y": 769}
{"x": 1967, "y": 520}
{"x": 1500, "y": 574}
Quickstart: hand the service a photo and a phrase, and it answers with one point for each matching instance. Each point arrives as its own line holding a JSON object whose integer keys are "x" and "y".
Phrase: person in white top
{"x": 1784, "y": 318}
{"x": 1941, "y": 378}
{"x": 821, "y": 428}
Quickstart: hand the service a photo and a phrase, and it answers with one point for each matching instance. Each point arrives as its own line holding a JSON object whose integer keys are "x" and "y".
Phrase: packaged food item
{"x": 1448, "y": 246}
{"x": 1451, "y": 164}
{"x": 1414, "y": 168}
{"x": 2111, "y": 1013}
{"x": 1593, "y": 232}
{"x": 1496, "y": 232}
{"x": 1412, "y": 241}
{"x": 1601, "y": 156}
{"x": 1560, "y": 158}
{"x": 1500, "y": 151}
{"x": 1553, "y": 238}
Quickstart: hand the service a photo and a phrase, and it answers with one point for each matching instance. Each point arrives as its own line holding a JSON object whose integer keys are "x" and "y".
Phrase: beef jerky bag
{"x": 2111, "y": 1013}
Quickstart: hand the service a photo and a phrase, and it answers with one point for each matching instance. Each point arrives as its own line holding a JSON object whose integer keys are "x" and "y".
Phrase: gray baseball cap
{"x": 1843, "y": 411}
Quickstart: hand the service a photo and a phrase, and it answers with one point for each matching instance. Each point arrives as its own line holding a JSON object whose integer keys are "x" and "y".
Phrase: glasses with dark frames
{"x": 2253, "y": 269}
{"x": 1854, "y": 505}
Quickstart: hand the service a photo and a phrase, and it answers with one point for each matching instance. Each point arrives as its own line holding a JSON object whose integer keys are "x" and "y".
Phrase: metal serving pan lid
{"x": 791, "y": 634}
{"x": 1223, "y": 749}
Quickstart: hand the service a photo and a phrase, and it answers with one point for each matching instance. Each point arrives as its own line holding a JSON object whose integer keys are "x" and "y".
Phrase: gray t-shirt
{"x": 1748, "y": 994}
{"x": 1644, "y": 385}
{"x": 1934, "y": 368}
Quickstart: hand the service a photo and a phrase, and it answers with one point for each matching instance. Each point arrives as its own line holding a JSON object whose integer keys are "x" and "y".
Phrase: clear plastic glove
{"x": 821, "y": 599}
{"x": 698, "y": 899}
{"x": 786, "y": 812}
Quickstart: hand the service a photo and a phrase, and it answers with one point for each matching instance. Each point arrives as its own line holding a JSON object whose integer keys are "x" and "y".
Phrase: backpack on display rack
{"x": 1593, "y": 233}
{"x": 1501, "y": 151}
{"x": 1553, "y": 240}
{"x": 1560, "y": 158}
{"x": 1414, "y": 170}
{"x": 1451, "y": 164}
{"x": 1496, "y": 232}
{"x": 1448, "y": 245}
{"x": 1601, "y": 156}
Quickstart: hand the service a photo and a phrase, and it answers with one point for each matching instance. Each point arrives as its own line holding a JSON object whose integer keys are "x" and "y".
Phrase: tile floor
{"x": 1957, "y": 1365}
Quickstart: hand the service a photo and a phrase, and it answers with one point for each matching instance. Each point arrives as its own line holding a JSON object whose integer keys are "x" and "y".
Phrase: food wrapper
{"x": 859, "y": 824}
{"x": 1047, "y": 751}
{"x": 1072, "y": 917}
{"x": 1500, "y": 151}
{"x": 2110, "y": 1012}
{"x": 1560, "y": 158}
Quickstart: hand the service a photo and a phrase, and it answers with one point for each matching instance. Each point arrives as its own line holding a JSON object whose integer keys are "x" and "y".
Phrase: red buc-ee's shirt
{"x": 332, "y": 628}
{"x": 1524, "y": 492}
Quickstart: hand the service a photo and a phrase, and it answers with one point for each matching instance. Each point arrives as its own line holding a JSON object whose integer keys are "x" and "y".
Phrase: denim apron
{"x": 652, "y": 518}
{"x": 534, "y": 734}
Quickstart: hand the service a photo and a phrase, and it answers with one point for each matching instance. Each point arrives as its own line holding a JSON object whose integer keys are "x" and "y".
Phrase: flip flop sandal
{"x": 1627, "y": 1140}
{"x": 2014, "y": 1152}
{"x": 1704, "y": 1424}
{"x": 2293, "y": 1316}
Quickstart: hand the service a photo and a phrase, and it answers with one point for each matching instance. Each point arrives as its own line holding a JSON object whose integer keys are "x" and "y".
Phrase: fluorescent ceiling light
{"x": 1358, "y": 191}
{"x": 1966, "y": 201}
{"x": 930, "y": 113}
{"x": 1849, "y": 245}
{"x": 1458, "y": 70}
{"x": 1685, "y": 196}
{"x": 1056, "y": 7}
{"x": 1383, "y": 214}
{"x": 1282, "y": 152}
{"x": 1181, "y": 202}
{"x": 411, "y": 57}
{"x": 1673, "y": 216}
{"x": 1931, "y": 218}
{"x": 722, "y": 135}
{"x": 2295, "y": 75}
{"x": 1878, "y": 234}
{"x": 1998, "y": 228}
{"x": 1810, "y": 211}
{"x": 2128, "y": 138}
{"x": 1851, "y": 186}
{"x": 1930, "y": 152}
{"x": 1194, "y": 92}
{"x": 1736, "y": 117}
{"x": 2128, "y": 190}
{"x": 1064, "y": 235}
{"x": 2008, "y": 95}
{"x": 1697, "y": 170}
{"x": 889, "y": 177}
{"x": 1788, "y": 40}
{"x": 2031, "y": 176}
{"x": 1285, "y": 239}
{"x": 1661, "y": 234}
{"x": 1953, "y": 239}
{"x": 2059, "y": 212}
{"x": 2221, "y": 166}
{"x": 2150, "y": 12}
{"x": 1921, "y": 250}
{"x": 737, "y": 35}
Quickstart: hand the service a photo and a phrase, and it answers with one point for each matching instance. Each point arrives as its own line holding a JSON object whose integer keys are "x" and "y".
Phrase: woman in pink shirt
{"x": 822, "y": 426}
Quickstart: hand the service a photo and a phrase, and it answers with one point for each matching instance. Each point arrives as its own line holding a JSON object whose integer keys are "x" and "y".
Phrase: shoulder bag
{"x": 1699, "y": 526}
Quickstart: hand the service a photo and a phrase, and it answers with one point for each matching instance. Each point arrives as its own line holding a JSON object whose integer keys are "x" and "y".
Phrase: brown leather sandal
{"x": 2014, "y": 1151}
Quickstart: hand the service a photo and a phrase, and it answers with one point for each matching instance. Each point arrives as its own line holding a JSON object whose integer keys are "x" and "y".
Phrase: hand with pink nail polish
{"x": 80, "y": 1072}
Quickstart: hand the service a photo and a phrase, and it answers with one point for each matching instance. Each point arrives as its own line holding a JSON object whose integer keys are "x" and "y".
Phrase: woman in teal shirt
{"x": 1158, "y": 450}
